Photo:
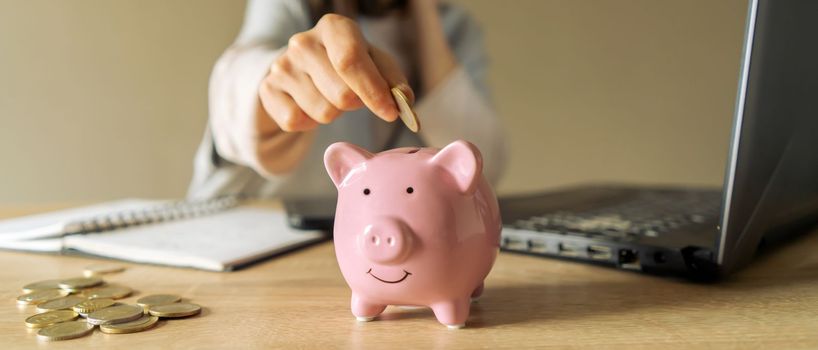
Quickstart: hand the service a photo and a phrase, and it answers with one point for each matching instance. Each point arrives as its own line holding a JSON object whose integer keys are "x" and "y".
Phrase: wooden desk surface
{"x": 301, "y": 301}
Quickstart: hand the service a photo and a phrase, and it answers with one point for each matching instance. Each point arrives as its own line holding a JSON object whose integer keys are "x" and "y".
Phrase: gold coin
{"x": 110, "y": 291}
{"x": 41, "y": 285}
{"x": 65, "y": 330}
{"x": 175, "y": 310}
{"x": 41, "y": 296}
{"x": 91, "y": 305}
{"x": 102, "y": 269}
{"x": 79, "y": 283}
{"x": 60, "y": 303}
{"x": 407, "y": 115}
{"x": 115, "y": 314}
{"x": 137, "y": 325}
{"x": 157, "y": 299}
{"x": 48, "y": 318}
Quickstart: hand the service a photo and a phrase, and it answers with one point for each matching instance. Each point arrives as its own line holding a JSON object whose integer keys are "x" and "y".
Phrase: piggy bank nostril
{"x": 387, "y": 241}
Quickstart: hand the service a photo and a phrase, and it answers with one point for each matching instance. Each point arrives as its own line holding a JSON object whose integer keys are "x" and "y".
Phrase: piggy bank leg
{"x": 452, "y": 313}
{"x": 475, "y": 296}
{"x": 364, "y": 310}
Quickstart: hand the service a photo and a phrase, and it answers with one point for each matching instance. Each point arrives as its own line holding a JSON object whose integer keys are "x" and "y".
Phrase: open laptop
{"x": 770, "y": 188}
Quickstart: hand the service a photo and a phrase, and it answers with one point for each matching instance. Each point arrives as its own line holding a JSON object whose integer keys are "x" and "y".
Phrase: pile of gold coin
{"x": 72, "y": 307}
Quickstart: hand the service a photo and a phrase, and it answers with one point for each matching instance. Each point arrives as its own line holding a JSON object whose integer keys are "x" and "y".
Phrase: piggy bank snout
{"x": 387, "y": 241}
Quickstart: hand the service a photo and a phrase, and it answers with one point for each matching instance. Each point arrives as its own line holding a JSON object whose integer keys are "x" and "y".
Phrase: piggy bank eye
{"x": 410, "y": 190}
{"x": 366, "y": 191}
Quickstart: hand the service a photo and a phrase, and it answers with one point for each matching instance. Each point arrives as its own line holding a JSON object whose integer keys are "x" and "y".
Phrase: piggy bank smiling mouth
{"x": 405, "y": 275}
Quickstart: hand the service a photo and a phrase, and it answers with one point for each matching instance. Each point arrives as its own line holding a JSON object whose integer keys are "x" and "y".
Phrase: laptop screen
{"x": 771, "y": 180}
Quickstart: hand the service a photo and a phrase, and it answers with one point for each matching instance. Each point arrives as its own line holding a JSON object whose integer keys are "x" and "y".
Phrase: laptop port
{"x": 515, "y": 244}
{"x": 537, "y": 246}
{"x": 599, "y": 252}
{"x": 568, "y": 249}
{"x": 629, "y": 259}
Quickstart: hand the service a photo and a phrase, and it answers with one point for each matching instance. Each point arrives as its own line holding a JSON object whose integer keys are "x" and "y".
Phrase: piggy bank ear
{"x": 463, "y": 162}
{"x": 341, "y": 157}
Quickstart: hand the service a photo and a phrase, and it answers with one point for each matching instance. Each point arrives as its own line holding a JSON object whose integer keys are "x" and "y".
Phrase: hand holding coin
{"x": 327, "y": 70}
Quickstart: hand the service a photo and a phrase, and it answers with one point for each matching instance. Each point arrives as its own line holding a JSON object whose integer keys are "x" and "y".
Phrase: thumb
{"x": 391, "y": 72}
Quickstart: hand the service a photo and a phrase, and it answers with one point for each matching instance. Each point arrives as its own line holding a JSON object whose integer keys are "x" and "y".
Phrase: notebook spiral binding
{"x": 167, "y": 212}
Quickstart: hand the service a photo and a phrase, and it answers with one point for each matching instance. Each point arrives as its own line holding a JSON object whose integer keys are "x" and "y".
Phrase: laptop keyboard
{"x": 648, "y": 214}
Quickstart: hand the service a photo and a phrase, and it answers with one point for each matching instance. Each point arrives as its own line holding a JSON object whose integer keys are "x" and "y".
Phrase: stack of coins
{"x": 71, "y": 308}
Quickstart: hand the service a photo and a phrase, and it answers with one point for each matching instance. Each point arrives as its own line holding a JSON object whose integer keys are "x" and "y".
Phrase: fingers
{"x": 329, "y": 69}
{"x": 310, "y": 56}
{"x": 349, "y": 55}
{"x": 303, "y": 91}
{"x": 392, "y": 72}
{"x": 306, "y": 95}
{"x": 283, "y": 109}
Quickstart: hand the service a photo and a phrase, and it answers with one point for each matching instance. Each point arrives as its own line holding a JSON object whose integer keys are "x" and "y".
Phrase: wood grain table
{"x": 301, "y": 301}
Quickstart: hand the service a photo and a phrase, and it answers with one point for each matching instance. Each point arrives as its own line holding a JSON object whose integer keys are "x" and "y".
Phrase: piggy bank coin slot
{"x": 414, "y": 150}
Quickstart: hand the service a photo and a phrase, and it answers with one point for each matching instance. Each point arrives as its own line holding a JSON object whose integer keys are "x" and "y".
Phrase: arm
{"x": 453, "y": 71}
{"x": 242, "y": 131}
{"x": 276, "y": 84}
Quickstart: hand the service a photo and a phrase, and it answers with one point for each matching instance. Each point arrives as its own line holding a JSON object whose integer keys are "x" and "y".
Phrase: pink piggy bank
{"x": 414, "y": 226}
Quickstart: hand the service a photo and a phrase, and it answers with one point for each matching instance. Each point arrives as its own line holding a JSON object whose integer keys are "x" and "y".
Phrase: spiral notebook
{"x": 217, "y": 235}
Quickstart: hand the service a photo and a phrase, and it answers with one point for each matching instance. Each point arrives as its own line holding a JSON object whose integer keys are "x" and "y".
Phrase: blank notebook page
{"x": 214, "y": 242}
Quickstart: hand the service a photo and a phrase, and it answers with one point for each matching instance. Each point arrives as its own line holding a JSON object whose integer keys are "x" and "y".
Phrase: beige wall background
{"x": 106, "y": 99}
